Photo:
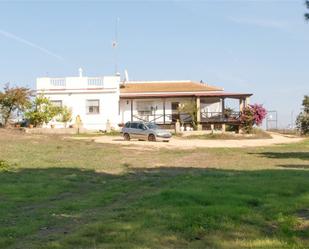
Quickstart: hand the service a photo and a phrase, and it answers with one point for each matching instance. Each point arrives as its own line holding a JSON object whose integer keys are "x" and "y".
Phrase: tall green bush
{"x": 41, "y": 111}
{"x": 302, "y": 121}
{"x": 65, "y": 115}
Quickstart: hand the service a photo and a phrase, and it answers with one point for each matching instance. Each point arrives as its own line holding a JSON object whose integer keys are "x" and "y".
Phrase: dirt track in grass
{"x": 180, "y": 143}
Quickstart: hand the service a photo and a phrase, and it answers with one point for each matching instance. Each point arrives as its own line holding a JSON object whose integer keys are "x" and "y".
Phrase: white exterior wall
{"x": 74, "y": 93}
{"x": 77, "y": 101}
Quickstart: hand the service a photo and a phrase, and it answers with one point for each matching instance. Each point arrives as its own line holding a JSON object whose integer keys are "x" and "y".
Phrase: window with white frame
{"x": 145, "y": 108}
{"x": 92, "y": 106}
{"x": 56, "y": 103}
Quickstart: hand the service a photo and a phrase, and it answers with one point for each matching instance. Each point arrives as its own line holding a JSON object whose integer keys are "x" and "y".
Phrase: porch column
{"x": 223, "y": 128}
{"x": 241, "y": 104}
{"x": 247, "y": 101}
{"x": 223, "y": 106}
{"x": 198, "y": 114}
{"x": 131, "y": 110}
{"x": 163, "y": 111}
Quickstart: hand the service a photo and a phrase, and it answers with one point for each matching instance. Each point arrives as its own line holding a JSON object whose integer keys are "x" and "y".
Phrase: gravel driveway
{"x": 181, "y": 143}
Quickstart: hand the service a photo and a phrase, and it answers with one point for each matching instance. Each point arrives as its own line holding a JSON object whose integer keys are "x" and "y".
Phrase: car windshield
{"x": 152, "y": 126}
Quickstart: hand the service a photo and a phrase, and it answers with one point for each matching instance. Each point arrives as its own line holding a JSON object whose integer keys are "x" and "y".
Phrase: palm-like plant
{"x": 65, "y": 115}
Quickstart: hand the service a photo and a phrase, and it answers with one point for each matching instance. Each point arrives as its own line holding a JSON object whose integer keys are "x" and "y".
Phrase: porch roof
{"x": 184, "y": 94}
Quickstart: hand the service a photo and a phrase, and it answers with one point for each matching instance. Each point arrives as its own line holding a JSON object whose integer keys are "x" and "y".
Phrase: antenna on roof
{"x": 115, "y": 47}
{"x": 126, "y": 75}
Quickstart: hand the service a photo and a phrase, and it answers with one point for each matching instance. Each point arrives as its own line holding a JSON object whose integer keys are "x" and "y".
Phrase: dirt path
{"x": 180, "y": 143}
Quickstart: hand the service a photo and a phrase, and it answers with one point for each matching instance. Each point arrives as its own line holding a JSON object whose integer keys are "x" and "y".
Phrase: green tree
{"x": 307, "y": 14}
{"x": 302, "y": 121}
{"x": 65, "y": 115}
{"x": 41, "y": 111}
{"x": 13, "y": 99}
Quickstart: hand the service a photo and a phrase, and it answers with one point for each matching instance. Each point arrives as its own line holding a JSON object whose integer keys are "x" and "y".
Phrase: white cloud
{"x": 30, "y": 44}
{"x": 264, "y": 23}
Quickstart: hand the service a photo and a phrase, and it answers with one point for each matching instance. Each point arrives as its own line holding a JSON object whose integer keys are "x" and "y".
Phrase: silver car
{"x": 145, "y": 131}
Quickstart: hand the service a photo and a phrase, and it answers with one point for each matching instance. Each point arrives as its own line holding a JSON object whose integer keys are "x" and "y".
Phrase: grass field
{"x": 56, "y": 192}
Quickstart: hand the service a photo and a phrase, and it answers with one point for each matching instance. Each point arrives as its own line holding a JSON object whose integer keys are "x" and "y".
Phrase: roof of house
{"x": 166, "y": 87}
{"x": 184, "y": 88}
{"x": 184, "y": 94}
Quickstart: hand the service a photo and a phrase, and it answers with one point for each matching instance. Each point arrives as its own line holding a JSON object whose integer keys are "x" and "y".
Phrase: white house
{"x": 102, "y": 100}
{"x": 94, "y": 99}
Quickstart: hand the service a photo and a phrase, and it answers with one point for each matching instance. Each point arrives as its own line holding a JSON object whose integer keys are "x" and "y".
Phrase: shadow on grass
{"x": 152, "y": 208}
{"x": 294, "y": 166}
{"x": 284, "y": 155}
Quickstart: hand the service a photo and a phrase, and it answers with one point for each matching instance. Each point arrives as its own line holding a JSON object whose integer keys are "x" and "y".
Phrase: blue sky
{"x": 261, "y": 47}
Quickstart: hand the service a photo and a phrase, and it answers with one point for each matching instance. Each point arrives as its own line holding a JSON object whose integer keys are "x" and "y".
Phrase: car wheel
{"x": 151, "y": 138}
{"x": 126, "y": 137}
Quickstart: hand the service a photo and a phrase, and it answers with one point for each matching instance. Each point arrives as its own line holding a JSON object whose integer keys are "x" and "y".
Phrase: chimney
{"x": 80, "y": 72}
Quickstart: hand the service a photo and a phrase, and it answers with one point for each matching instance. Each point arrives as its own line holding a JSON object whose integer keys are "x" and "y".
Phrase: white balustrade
{"x": 95, "y": 81}
{"x": 58, "y": 82}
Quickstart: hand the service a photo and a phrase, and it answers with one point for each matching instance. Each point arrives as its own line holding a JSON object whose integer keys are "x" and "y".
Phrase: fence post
{"x": 131, "y": 110}
{"x": 163, "y": 111}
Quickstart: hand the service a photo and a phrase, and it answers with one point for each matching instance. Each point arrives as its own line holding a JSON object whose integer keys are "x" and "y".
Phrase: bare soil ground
{"x": 180, "y": 143}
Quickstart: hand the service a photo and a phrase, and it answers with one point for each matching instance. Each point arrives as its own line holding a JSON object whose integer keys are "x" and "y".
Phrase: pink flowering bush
{"x": 252, "y": 115}
{"x": 259, "y": 113}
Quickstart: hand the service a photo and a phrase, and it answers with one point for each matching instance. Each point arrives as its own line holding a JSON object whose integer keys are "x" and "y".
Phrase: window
{"x": 127, "y": 125}
{"x": 93, "y": 106}
{"x": 175, "y": 106}
{"x": 134, "y": 125}
{"x": 141, "y": 127}
{"x": 153, "y": 126}
{"x": 56, "y": 103}
{"x": 175, "y": 113}
{"x": 146, "y": 108}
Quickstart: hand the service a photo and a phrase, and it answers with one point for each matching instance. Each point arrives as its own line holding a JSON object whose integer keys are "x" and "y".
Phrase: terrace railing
{"x": 185, "y": 118}
{"x": 95, "y": 81}
{"x": 57, "y": 82}
{"x": 219, "y": 117}
{"x": 163, "y": 119}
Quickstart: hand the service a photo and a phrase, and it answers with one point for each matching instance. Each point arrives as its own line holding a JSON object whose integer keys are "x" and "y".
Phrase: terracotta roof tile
{"x": 161, "y": 86}
{"x": 184, "y": 94}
